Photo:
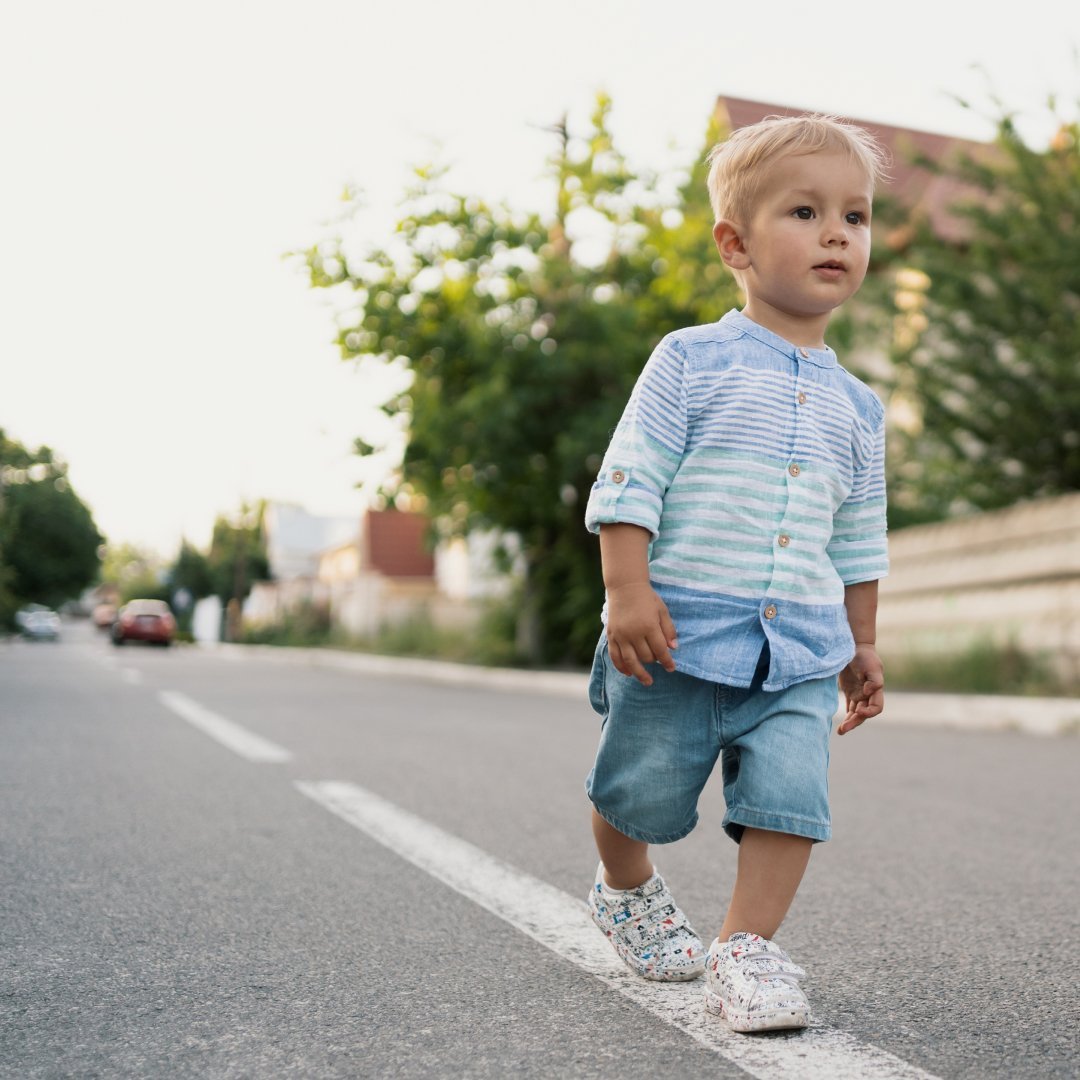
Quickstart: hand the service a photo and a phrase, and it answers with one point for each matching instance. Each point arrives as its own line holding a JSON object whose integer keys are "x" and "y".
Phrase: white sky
{"x": 158, "y": 159}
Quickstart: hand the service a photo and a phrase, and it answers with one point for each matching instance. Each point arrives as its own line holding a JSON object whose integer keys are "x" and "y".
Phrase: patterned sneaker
{"x": 752, "y": 984}
{"x": 648, "y": 930}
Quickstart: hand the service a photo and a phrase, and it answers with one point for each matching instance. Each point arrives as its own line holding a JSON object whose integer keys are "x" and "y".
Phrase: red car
{"x": 144, "y": 620}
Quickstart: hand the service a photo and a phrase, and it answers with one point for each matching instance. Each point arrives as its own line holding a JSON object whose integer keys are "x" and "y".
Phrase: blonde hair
{"x": 738, "y": 165}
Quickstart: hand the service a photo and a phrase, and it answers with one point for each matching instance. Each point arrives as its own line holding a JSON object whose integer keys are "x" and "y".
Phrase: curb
{"x": 556, "y": 683}
{"x": 961, "y": 712}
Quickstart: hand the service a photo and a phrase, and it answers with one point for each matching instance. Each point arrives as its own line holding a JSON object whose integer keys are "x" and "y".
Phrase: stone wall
{"x": 1007, "y": 576}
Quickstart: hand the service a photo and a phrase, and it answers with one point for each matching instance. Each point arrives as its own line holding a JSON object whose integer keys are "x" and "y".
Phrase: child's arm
{"x": 863, "y": 680}
{"x": 639, "y": 628}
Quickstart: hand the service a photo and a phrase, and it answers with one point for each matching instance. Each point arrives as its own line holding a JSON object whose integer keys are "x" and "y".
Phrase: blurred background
{"x": 316, "y": 320}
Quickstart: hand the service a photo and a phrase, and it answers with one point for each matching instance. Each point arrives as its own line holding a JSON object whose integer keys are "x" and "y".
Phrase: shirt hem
{"x": 768, "y": 686}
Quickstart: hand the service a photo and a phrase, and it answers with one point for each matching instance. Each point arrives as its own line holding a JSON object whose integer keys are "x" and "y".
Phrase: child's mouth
{"x": 830, "y": 270}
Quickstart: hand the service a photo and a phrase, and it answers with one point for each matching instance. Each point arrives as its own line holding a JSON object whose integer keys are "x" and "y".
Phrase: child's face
{"x": 807, "y": 244}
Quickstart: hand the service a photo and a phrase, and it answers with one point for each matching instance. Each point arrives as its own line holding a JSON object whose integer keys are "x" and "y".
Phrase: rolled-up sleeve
{"x": 647, "y": 447}
{"x": 859, "y": 546}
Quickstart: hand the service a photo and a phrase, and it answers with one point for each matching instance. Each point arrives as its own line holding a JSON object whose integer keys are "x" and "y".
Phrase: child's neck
{"x": 804, "y": 331}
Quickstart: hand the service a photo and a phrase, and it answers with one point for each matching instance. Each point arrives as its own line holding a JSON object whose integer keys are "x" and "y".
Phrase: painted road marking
{"x": 560, "y": 922}
{"x": 239, "y": 740}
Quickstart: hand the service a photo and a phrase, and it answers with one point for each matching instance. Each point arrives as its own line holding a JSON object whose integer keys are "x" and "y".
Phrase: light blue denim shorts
{"x": 658, "y": 746}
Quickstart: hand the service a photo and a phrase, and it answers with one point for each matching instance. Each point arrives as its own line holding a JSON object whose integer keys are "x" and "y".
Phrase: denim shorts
{"x": 658, "y": 746}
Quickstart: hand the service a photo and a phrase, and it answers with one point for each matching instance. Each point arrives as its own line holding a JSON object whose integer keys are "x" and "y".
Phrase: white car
{"x": 40, "y": 624}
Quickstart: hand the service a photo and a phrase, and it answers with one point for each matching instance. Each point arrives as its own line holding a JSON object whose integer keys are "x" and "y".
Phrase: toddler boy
{"x": 741, "y": 513}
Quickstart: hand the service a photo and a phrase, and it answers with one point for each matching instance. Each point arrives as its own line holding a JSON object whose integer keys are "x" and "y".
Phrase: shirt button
{"x": 618, "y": 476}
{"x": 802, "y": 398}
{"x": 783, "y": 539}
{"x": 803, "y": 352}
{"x": 770, "y": 612}
{"x": 794, "y": 469}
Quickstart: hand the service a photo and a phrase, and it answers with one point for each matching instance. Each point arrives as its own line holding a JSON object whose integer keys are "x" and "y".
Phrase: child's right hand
{"x": 639, "y": 630}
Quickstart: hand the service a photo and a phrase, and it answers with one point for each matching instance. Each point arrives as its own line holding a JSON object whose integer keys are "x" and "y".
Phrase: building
{"x": 365, "y": 575}
{"x": 384, "y": 576}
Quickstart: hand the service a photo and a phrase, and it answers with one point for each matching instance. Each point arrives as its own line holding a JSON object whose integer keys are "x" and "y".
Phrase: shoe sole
{"x": 773, "y": 1020}
{"x": 651, "y": 974}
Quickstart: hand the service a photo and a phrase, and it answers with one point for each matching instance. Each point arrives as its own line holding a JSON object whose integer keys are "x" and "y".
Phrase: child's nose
{"x": 836, "y": 234}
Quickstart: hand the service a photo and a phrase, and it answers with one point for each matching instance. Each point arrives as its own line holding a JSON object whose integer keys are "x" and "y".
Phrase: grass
{"x": 491, "y": 642}
{"x": 983, "y": 668}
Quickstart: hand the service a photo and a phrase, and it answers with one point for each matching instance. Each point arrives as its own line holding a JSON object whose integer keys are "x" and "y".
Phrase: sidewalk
{"x": 968, "y": 712}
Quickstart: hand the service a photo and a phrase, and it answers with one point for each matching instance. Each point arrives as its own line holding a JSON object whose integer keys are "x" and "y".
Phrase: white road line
{"x": 239, "y": 740}
{"x": 560, "y": 922}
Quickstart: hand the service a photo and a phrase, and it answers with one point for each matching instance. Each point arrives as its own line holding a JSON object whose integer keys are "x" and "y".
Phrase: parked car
{"x": 144, "y": 620}
{"x": 104, "y": 615}
{"x": 40, "y": 624}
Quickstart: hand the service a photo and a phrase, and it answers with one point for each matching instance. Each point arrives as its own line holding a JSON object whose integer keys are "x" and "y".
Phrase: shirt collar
{"x": 825, "y": 357}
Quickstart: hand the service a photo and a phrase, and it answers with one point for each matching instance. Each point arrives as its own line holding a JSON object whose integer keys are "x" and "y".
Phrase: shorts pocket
{"x": 598, "y": 698}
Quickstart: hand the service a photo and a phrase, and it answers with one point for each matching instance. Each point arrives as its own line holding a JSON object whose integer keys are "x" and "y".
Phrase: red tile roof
{"x": 923, "y": 191}
{"x": 394, "y": 544}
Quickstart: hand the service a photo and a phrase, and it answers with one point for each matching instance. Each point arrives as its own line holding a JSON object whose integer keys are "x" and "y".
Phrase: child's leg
{"x": 626, "y": 862}
{"x": 771, "y": 865}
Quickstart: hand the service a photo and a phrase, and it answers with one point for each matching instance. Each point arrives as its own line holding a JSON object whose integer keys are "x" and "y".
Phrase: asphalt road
{"x": 171, "y": 908}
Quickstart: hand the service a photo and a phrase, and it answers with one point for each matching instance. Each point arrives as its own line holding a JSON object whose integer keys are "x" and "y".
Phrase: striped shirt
{"x": 758, "y": 469}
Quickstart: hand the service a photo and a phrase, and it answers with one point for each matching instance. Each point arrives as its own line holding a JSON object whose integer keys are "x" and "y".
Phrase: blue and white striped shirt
{"x": 759, "y": 469}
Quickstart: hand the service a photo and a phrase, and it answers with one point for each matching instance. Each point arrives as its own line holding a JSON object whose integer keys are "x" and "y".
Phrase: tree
{"x": 523, "y": 336}
{"x": 138, "y": 573}
{"x": 237, "y": 556}
{"x": 989, "y": 337}
{"x": 48, "y": 540}
{"x": 190, "y": 571}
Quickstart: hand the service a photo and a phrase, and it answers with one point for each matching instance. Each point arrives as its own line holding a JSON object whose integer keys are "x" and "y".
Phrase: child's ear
{"x": 731, "y": 243}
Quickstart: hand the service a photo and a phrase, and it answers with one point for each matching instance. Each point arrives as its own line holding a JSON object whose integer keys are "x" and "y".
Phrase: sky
{"x": 159, "y": 161}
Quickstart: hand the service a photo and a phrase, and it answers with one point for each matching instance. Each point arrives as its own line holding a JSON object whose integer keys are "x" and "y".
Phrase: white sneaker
{"x": 752, "y": 984}
{"x": 648, "y": 930}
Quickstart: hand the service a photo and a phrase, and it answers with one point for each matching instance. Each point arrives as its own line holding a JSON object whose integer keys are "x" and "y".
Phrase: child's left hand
{"x": 863, "y": 684}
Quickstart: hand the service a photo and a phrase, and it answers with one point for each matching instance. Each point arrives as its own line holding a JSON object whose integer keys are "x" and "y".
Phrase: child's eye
{"x": 804, "y": 213}
{"x": 856, "y": 218}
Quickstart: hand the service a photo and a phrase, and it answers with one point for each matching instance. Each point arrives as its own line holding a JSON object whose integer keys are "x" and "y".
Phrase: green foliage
{"x": 489, "y": 643}
{"x": 48, "y": 540}
{"x": 523, "y": 345}
{"x": 988, "y": 361}
{"x": 136, "y": 572}
{"x": 983, "y": 668}
{"x": 191, "y": 571}
{"x": 187, "y": 580}
{"x": 236, "y": 560}
{"x": 309, "y": 625}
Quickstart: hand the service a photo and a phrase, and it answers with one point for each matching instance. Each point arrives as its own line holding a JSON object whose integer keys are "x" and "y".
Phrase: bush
{"x": 983, "y": 668}
{"x": 491, "y": 643}
{"x": 309, "y": 624}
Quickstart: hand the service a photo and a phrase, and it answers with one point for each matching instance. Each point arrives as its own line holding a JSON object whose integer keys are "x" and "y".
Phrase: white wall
{"x": 1004, "y": 576}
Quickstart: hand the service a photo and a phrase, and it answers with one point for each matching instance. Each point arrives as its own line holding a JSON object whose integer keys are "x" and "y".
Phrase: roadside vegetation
{"x": 491, "y": 643}
{"x": 520, "y": 336}
{"x": 49, "y": 544}
{"x": 517, "y": 336}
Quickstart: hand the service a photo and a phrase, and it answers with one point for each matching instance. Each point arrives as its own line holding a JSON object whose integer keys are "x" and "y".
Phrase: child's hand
{"x": 639, "y": 631}
{"x": 863, "y": 684}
